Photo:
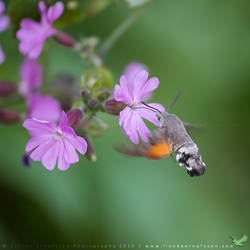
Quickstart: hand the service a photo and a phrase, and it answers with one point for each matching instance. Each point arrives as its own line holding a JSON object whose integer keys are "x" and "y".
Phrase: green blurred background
{"x": 199, "y": 47}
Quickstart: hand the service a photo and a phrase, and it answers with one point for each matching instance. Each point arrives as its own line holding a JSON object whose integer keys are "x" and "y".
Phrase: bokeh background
{"x": 199, "y": 47}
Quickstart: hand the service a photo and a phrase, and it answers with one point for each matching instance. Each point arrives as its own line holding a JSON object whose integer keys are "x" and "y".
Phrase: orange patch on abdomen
{"x": 159, "y": 150}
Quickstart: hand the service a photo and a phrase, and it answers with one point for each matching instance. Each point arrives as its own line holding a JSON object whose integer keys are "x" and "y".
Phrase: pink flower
{"x": 4, "y": 19}
{"x": 51, "y": 143}
{"x": 133, "y": 89}
{"x": 33, "y": 34}
{"x": 44, "y": 108}
{"x": 31, "y": 77}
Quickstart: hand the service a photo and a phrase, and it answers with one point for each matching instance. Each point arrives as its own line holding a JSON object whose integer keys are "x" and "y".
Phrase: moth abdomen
{"x": 192, "y": 161}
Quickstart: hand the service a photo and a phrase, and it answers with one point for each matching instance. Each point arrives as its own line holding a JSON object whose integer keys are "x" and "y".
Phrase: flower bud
{"x": 92, "y": 104}
{"x": 74, "y": 117}
{"x": 85, "y": 93}
{"x": 7, "y": 88}
{"x": 65, "y": 39}
{"x": 26, "y": 160}
{"x": 113, "y": 107}
{"x": 9, "y": 116}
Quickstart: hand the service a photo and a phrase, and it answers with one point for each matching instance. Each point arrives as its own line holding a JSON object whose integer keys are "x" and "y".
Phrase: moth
{"x": 171, "y": 136}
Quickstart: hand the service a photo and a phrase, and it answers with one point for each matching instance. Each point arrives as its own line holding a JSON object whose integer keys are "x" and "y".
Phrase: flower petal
{"x": 149, "y": 87}
{"x": 54, "y": 12}
{"x": 132, "y": 69}
{"x": 50, "y": 156}
{"x": 38, "y": 153}
{"x": 44, "y": 108}
{"x": 129, "y": 124}
{"x": 4, "y": 23}
{"x": 38, "y": 127}
{"x": 139, "y": 83}
{"x": 63, "y": 120}
{"x": 80, "y": 144}
{"x": 31, "y": 75}
{"x": 62, "y": 163}
{"x": 70, "y": 154}
{"x": 35, "y": 51}
{"x": 122, "y": 92}
{"x": 34, "y": 142}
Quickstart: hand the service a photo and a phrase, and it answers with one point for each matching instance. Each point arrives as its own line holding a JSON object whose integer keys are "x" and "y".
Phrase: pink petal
{"x": 62, "y": 163}
{"x": 63, "y": 120}
{"x": 132, "y": 69}
{"x": 42, "y": 7}
{"x": 130, "y": 127}
{"x": 149, "y": 87}
{"x": 34, "y": 142}
{"x": 70, "y": 154}
{"x": 133, "y": 124}
{"x": 39, "y": 128}
{"x": 124, "y": 114}
{"x": 44, "y": 108}
{"x": 50, "y": 156}
{"x": 129, "y": 124}
{"x": 54, "y": 12}
{"x": 80, "y": 144}
{"x": 148, "y": 114}
{"x": 143, "y": 130}
{"x": 76, "y": 141}
{"x": 4, "y": 23}
{"x": 119, "y": 95}
{"x": 138, "y": 83}
{"x": 35, "y": 51}
{"x": 38, "y": 153}
{"x": 31, "y": 75}
{"x": 27, "y": 26}
{"x": 127, "y": 95}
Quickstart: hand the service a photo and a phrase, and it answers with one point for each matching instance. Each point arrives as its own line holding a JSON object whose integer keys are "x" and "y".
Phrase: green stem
{"x": 117, "y": 33}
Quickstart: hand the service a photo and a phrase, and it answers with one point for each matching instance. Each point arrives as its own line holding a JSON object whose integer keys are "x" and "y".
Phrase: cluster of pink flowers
{"x": 49, "y": 140}
{"x": 53, "y": 139}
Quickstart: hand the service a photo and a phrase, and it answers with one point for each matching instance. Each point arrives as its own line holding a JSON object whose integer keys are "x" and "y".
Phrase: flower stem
{"x": 118, "y": 32}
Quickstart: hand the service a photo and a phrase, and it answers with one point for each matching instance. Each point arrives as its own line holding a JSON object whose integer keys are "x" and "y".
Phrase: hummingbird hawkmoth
{"x": 171, "y": 136}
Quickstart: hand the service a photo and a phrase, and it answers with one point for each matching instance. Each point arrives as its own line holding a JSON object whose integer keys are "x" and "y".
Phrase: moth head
{"x": 195, "y": 166}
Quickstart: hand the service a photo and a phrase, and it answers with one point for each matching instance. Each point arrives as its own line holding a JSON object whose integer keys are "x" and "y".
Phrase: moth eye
{"x": 159, "y": 116}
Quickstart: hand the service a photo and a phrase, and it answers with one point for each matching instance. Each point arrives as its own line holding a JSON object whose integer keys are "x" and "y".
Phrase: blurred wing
{"x": 155, "y": 149}
{"x": 131, "y": 149}
{"x": 191, "y": 128}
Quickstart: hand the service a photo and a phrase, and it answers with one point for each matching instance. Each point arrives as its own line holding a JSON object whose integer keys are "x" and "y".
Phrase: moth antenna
{"x": 174, "y": 101}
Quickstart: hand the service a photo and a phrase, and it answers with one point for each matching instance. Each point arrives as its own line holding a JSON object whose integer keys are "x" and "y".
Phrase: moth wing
{"x": 132, "y": 149}
{"x": 157, "y": 147}
{"x": 192, "y": 129}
